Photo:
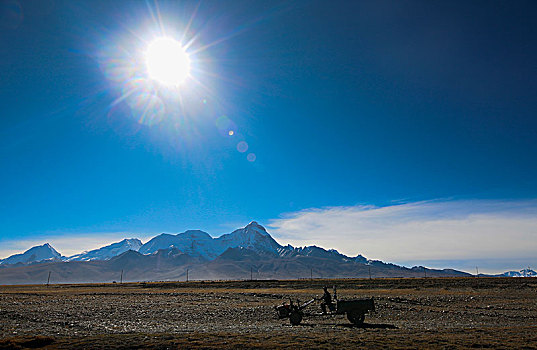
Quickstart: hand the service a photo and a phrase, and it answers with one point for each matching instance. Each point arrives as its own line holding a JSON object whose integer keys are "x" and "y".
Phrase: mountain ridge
{"x": 43, "y": 252}
{"x": 107, "y": 252}
{"x": 195, "y": 243}
{"x": 233, "y": 255}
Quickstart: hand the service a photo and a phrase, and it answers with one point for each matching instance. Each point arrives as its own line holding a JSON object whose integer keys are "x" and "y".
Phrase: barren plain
{"x": 449, "y": 313}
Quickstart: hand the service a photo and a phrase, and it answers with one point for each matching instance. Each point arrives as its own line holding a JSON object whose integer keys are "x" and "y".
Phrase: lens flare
{"x": 242, "y": 146}
{"x": 251, "y": 157}
{"x": 226, "y": 127}
{"x": 167, "y": 61}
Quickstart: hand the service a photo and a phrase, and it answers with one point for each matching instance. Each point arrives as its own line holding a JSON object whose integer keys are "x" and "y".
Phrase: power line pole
{"x": 187, "y": 275}
{"x": 369, "y": 271}
{"x": 121, "y": 278}
{"x": 476, "y": 271}
{"x": 425, "y": 271}
{"x": 48, "y": 279}
{"x": 251, "y": 274}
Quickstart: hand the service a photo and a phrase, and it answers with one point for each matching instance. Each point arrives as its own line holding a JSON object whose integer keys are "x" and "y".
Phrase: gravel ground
{"x": 410, "y": 313}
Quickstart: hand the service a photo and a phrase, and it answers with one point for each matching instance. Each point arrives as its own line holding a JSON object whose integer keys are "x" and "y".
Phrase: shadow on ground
{"x": 350, "y": 325}
{"x": 25, "y": 342}
{"x": 369, "y": 325}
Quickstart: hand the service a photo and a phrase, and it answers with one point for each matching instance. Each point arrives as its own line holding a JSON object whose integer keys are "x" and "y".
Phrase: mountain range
{"x": 522, "y": 273}
{"x": 248, "y": 252}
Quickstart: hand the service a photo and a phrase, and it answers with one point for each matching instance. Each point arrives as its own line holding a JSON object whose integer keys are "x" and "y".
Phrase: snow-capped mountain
{"x": 193, "y": 242}
{"x": 108, "y": 251}
{"x": 201, "y": 244}
{"x": 253, "y": 237}
{"x": 40, "y": 253}
{"x": 522, "y": 273}
{"x": 243, "y": 253}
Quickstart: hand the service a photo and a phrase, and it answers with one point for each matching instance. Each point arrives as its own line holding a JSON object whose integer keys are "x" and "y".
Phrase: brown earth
{"x": 450, "y": 313}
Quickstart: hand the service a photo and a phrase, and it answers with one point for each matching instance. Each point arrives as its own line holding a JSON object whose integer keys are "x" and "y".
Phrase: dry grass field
{"x": 448, "y": 313}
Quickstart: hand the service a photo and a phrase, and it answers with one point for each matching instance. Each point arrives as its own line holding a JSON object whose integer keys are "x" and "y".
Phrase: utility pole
{"x": 476, "y": 271}
{"x": 251, "y": 274}
{"x": 425, "y": 271}
{"x": 187, "y": 275}
{"x": 48, "y": 279}
{"x": 121, "y": 278}
{"x": 369, "y": 271}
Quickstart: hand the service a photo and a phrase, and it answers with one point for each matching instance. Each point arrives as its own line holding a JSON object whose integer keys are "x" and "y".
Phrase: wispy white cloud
{"x": 440, "y": 230}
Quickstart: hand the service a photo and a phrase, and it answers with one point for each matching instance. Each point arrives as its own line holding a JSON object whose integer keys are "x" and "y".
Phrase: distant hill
{"x": 248, "y": 252}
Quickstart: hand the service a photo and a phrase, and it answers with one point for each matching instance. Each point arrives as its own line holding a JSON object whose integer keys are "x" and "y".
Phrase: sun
{"x": 167, "y": 61}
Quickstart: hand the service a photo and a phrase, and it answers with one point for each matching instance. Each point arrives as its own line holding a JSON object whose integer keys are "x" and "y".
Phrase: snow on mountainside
{"x": 253, "y": 237}
{"x": 199, "y": 243}
{"x": 193, "y": 242}
{"x": 43, "y": 252}
{"x": 318, "y": 252}
{"x": 244, "y": 253}
{"x": 108, "y": 251}
{"x": 522, "y": 273}
{"x": 313, "y": 251}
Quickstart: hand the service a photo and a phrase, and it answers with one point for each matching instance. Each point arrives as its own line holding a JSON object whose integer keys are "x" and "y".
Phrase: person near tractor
{"x": 326, "y": 301}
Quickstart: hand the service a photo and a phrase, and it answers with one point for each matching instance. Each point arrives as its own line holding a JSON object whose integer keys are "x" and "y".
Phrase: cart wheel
{"x": 295, "y": 317}
{"x": 356, "y": 317}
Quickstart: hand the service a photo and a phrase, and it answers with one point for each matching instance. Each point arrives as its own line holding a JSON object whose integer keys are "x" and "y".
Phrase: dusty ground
{"x": 411, "y": 313}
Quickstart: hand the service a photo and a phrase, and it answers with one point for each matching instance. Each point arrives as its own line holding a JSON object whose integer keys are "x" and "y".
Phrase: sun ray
{"x": 187, "y": 27}
{"x": 153, "y": 16}
{"x": 203, "y": 86}
{"x": 191, "y": 41}
{"x": 232, "y": 34}
{"x": 161, "y": 25}
{"x": 122, "y": 98}
{"x": 218, "y": 76}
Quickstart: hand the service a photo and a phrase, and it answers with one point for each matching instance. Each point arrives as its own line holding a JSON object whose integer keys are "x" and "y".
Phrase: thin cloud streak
{"x": 445, "y": 230}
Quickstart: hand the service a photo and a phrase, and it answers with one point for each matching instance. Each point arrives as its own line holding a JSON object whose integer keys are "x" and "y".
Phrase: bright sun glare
{"x": 167, "y": 61}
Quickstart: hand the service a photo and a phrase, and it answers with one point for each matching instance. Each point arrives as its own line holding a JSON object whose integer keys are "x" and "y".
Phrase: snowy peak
{"x": 43, "y": 252}
{"x": 193, "y": 242}
{"x": 253, "y": 237}
{"x": 162, "y": 241}
{"x": 200, "y": 244}
{"x": 109, "y": 251}
{"x": 254, "y": 227}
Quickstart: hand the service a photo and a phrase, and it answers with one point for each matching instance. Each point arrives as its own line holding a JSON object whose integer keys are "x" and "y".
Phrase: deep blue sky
{"x": 343, "y": 103}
